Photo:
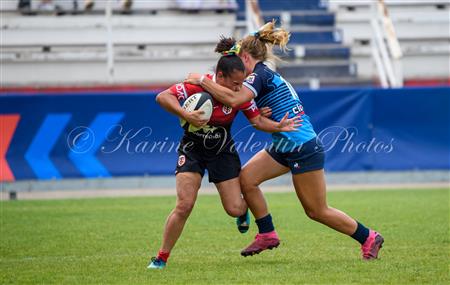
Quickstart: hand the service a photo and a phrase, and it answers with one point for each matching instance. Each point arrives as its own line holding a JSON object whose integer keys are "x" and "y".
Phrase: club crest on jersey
{"x": 251, "y": 78}
{"x": 227, "y": 110}
{"x": 181, "y": 160}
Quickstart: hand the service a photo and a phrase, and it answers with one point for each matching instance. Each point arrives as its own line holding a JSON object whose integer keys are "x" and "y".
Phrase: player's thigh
{"x": 261, "y": 167}
{"x": 230, "y": 193}
{"x": 188, "y": 184}
{"x": 311, "y": 189}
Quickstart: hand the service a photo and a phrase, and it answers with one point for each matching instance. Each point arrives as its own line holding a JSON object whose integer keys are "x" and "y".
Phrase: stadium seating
{"x": 150, "y": 47}
{"x": 316, "y": 53}
{"x": 422, "y": 28}
{"x": 334, "y": 32}
{"x": 138, "y": 6}
{"x": 160, "y": 42}
{"x": 325, "y": 57}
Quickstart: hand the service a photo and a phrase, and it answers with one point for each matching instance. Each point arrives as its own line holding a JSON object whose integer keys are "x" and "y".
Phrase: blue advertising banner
{"x": 106, "y": 134}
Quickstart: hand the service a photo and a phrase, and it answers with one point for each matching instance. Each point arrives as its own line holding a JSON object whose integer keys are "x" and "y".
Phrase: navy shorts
{"x": 308, "y": 157}
{"x": 221, "y": 166}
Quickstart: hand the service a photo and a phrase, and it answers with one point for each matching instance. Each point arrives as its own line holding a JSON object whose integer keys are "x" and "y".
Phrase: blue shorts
{"x": 308, "y": 157}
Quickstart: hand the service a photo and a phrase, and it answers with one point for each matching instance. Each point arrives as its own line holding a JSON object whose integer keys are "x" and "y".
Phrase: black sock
{"x": 361, "y": 233}
{"x": 265, "y": 224}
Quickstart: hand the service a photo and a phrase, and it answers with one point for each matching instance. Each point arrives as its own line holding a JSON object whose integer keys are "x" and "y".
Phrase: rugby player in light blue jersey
{"x": 299, "y": 152}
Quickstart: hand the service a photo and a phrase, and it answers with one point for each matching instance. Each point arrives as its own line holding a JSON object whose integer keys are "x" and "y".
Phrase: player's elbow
{"x": 158, "y": 98}
{"x": 260, "y": 128}
{"x": 257, "y": 126}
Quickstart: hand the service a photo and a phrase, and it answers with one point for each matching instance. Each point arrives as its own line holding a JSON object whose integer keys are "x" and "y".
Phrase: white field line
{"x": 96, "y": 193}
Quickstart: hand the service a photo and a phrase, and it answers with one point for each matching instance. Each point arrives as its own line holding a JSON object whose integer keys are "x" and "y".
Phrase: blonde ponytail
{"x": 259, "y": 44}
{"x": 275, "y": 36}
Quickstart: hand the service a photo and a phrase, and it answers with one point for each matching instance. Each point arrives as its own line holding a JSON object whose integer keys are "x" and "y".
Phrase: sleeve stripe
{"x": 184, "y": 90}
{"x": 251, "y": 88}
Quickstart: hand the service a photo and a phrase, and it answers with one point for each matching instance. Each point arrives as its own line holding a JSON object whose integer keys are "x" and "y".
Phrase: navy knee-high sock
{"x": 265, "y": 224}
{"x": 361, "y": 233}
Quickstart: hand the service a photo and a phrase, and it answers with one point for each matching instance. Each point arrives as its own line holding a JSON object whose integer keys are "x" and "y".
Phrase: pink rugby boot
{"x": 372, "y": 246}
{"x": 262, "y": 242}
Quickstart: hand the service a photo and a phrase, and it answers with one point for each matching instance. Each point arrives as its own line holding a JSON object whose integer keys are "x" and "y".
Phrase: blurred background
{"x": 78, "y": 81}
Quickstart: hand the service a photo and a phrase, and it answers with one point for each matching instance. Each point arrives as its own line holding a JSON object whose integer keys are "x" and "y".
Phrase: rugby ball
{"x": 198, "y": 101}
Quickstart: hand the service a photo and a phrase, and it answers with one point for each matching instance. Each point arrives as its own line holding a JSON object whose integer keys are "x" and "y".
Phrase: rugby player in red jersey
{"x": 211, "y": 147}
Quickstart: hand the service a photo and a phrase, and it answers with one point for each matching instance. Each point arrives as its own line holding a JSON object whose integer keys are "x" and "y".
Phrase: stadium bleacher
{"x": 422, "y": 27}
{"x": 149, "y": 47}
{"x": 317, "y": 54}
{"x": 62, "y": 7}
{"x": 161, "y": 41}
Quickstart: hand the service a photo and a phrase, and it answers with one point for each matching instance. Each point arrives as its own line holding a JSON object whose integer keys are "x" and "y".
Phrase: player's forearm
{"x": 266, "y": 125}
{"x": 220, "y": 93}
{"x": 170, "y": 104}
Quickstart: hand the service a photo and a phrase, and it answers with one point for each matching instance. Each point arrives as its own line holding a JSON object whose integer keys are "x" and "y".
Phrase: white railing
{"x": 253, "y": 16}
{"x": 254, "y": 21}
{"x": 386, "y": 49}
{"x": 109, "y": 43}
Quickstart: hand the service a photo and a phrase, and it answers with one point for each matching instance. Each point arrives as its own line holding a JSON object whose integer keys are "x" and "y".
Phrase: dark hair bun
{"x": 224, "y": 44}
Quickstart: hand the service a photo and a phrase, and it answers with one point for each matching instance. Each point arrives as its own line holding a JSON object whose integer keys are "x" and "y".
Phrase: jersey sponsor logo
{"x": 181, "y": 160}
{"x": 298, "y": 109}
{"x": 180, "y": 91}
{"x": 227, "y": 110}
{"x": 251, "y": 78}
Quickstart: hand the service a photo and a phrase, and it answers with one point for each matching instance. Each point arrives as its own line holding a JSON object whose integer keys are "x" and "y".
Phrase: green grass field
{"x": 110, "y": 241}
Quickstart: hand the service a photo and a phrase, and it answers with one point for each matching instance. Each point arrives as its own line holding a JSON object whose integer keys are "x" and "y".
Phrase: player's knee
{"x": 312, "y": 214}
{"x": 184, "y": 208}
{"x": 316, "y": 214}
{"x": 235, "y": 210}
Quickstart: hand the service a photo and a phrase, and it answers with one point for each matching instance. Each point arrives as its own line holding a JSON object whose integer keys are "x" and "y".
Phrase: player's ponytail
{"x": 275, "y": 36}
{"x": 260, "y": 43}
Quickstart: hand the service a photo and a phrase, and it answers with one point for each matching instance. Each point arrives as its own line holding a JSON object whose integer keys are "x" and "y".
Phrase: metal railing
{"x": 386, "y": 50}
{"x": 109, "y": 43}
{"x": 253, "y": 15}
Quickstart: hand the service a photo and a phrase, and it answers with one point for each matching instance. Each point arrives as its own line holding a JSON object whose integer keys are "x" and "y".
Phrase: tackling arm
{"x": 220, "y": 93}
{"x": 285, "y": 125}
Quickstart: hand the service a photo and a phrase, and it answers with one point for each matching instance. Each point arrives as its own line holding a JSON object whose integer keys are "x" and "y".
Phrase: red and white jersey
{"x": 222, "y": 115}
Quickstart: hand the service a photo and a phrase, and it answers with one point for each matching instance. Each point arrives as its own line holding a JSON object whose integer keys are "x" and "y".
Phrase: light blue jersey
{"x": 273, "y": 91}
